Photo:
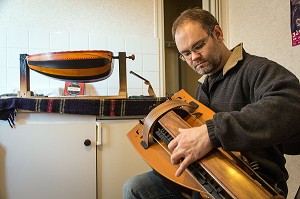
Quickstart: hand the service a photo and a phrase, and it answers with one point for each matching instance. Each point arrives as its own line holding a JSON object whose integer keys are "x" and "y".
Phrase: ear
{"x": 218, "y": 33}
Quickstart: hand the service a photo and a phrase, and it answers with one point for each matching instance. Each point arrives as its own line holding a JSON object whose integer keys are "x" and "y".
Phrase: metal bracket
{"x": 24, "y": 78}
{"x": 122, "y": 73}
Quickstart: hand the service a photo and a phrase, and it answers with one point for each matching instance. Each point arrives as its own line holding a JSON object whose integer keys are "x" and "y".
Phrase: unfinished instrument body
{"x": 80, "y": 66}
{"x": 219, "y": 174}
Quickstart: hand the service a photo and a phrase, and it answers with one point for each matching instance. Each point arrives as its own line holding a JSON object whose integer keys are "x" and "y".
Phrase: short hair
{"x": 203, "y": 17}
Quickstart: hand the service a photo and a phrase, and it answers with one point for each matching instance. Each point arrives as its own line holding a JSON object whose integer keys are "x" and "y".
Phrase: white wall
{"x": 264, "y": 28}
{"x": 34, "y": 26}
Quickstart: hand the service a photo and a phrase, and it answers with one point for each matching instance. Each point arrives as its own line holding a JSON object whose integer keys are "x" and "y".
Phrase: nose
{"x": 195, "y": 55}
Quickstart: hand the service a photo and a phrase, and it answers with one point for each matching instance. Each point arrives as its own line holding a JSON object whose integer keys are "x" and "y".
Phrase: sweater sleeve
{"x": 212, "y": 136}
{"x": 271, "y": 117}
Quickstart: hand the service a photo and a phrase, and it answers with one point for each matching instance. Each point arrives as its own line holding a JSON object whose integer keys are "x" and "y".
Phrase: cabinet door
{"x": 117, "y": 158}
{"x": 44, "y": 156}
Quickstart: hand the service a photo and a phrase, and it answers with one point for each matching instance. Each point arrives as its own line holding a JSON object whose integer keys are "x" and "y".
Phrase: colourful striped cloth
{"x": 136, "y": 107}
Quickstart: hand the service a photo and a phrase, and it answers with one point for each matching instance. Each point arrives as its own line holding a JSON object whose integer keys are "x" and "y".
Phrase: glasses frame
{"x": 195, "y": 49}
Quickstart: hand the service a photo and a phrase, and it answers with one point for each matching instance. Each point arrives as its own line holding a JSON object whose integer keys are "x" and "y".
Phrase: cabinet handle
{"x": 87, "y": 142}
{"x": 99, "y": 133}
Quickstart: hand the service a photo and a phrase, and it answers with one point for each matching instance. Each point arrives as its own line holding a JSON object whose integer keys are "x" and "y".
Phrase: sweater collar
{"x": 236, "y": 55}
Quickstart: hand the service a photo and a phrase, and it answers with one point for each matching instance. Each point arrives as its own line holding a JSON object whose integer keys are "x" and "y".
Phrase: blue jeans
{"x": 152, "y": 185}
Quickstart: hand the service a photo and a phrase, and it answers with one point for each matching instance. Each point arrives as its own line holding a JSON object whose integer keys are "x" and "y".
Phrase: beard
{"x": 211, "y": 63}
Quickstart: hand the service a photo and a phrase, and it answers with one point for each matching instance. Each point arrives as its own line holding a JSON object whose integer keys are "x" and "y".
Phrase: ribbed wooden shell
{"x": 79, "y": 66}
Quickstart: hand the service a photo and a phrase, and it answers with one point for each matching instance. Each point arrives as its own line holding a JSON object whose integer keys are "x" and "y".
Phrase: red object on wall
{"x": 74, "y": 88}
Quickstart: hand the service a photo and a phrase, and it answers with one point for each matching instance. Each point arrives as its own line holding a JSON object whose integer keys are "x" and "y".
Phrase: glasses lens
{"x": 197, "y": 49}
{"x": 182, "y": 57}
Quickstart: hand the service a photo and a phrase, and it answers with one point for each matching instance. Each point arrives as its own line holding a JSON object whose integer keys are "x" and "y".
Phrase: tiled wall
{"x": 15, "y": 41}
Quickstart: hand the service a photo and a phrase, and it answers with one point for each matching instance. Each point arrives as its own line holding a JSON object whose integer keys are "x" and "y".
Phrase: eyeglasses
{"x": 185, "y": 56}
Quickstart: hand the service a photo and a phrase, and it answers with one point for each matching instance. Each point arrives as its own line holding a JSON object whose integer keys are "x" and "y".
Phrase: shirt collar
{"x": 236, "y": 55}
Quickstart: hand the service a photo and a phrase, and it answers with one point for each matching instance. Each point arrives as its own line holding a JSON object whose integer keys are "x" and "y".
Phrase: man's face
{"x": 205, "y": 60}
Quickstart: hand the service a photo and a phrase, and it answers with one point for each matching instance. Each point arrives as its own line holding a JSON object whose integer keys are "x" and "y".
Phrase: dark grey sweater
{"x": 257, "y": 105}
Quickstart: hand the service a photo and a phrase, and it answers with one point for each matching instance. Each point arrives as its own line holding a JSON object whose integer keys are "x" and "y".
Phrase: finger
{"x": 181, "y": 130}
{"x": 173, "y": 144}
{"x": 175, "y": 158}
{"x": 178, "y": 154}
{"x": 185, "y": 163}
{"x": 175, "y": 162}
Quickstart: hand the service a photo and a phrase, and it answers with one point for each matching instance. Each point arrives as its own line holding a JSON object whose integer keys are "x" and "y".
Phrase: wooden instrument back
{"x": 217, "y": 175}
{"x": 80, "y": 66}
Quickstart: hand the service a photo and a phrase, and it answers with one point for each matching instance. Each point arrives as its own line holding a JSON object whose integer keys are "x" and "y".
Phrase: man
{"x": 257, "y": 105}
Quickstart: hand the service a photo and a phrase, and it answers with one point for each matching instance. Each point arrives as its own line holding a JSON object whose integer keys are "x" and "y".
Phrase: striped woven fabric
{"x": 98, "y": 107}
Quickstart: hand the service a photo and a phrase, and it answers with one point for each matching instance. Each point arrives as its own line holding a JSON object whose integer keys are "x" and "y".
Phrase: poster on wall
{"x": 295, "y": 22}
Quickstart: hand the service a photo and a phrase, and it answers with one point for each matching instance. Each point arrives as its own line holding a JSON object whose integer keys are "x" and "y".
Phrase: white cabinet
{"x": 44, "y": 157}
{"x": 117, "y": 159}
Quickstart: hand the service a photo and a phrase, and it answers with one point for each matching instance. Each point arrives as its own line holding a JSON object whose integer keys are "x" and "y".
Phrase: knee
{"x": 128, "y": 189}
{"x": 134, "y": 187}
